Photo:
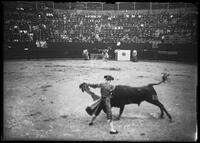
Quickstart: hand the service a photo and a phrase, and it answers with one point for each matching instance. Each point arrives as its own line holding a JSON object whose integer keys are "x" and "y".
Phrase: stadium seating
{"x": 175, "y": 26}
{"x": 73, "y": 26}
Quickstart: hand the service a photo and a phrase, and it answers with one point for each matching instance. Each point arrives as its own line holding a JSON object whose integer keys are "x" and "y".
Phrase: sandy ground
{"x": 42, "y": 101}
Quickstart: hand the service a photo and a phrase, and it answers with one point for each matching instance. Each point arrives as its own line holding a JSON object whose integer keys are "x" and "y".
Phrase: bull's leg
{"x": 120, "y": 112}
{"x": 92, "y": 120}
{"x": 162, "y": 108}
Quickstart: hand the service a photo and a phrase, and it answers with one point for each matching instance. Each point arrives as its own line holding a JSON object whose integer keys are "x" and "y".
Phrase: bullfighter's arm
{"x": 93, "y": 95}
{"x": 84, "y": 87}
{"x": 94, "y": 85}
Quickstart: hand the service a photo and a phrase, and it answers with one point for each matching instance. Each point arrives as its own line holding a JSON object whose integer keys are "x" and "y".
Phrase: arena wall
{"x": 175, "y": 52}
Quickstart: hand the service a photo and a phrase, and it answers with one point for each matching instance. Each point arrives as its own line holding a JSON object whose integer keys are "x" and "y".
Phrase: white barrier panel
{"x": 123, "y": 55}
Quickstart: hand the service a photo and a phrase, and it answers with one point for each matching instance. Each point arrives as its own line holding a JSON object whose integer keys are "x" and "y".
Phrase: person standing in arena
{"x": 134, "y": 56}
{"x": 110, "y": 52}
{"x": 105, "y": 54}
{"x": 155, "y": 50}
{"x": 106, "y": 90}
{"x": 85, "y": 54}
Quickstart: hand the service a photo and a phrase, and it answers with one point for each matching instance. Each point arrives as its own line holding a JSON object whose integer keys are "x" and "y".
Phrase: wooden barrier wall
{"x": 185, "y": 52}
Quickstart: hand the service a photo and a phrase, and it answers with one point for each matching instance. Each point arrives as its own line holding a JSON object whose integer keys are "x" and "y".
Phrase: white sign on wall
{"x": 123, "y": 55}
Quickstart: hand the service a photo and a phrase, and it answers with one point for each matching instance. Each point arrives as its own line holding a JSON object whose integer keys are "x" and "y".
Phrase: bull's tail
{"x": 164, "y": 78}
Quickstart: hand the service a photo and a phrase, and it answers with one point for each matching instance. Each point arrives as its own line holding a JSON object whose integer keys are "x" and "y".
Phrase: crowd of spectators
{"x": 77, "y": 26}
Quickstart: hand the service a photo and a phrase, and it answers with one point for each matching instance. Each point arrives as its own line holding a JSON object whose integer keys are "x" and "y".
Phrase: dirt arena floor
{"x": 42, "y": 101}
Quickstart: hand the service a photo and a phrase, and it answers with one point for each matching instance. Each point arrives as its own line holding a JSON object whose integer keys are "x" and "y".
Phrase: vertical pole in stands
{"x": 134, "y": 5}
{"x": 53, "y": 6}
{"x": 40, "y": 34}
{"x": 20, "y": 36}
{"x": 118, "y": 6}
{"x": 102, "y": 6}
{"x": 86, "y": 5}
{"x": 168, "y": 6}
{"x": 36, "y": 5}
{"x": 150, "y": 6}
{"x": 70, "y": 5}
{"x": 185, "y": 5}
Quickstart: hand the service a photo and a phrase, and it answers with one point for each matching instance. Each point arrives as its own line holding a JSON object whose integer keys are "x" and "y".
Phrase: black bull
{"x": 123, "y": 95}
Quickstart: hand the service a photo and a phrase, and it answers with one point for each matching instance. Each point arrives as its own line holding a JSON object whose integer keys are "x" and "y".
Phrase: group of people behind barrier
{"x": 106, "y": 56}
{"x": 71, "y": 26}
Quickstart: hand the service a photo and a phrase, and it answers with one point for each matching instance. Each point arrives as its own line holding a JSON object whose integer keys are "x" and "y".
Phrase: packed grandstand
{"x": 45, "y": 25}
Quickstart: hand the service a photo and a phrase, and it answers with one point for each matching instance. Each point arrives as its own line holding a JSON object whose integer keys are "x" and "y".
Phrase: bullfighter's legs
{"x": 162, "y": 108}
{"x": 112, "y": 130}
{"x": 96, "y": 113}
{"x": 120, "y": 112}
{"x": 94, "y": 116}
{"x": 92, "y": 120}
{"x": 104, "y": 109}
{"x": 109, "y": 116}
